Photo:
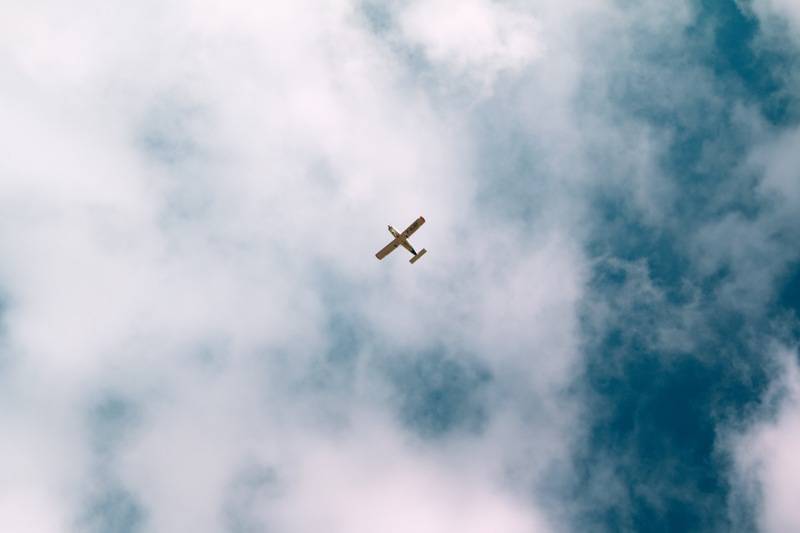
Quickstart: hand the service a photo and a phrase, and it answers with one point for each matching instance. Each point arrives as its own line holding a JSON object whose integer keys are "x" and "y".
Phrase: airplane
{"x": 402, "y": 238}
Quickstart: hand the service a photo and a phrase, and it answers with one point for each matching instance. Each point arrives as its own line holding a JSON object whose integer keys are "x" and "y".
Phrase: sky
{"x": 195, "y": 334}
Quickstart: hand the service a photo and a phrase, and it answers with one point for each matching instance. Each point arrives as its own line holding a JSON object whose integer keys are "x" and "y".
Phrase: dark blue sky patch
{"x": 785, "y": 309}
{"x": 437, "y": 393}
{"x": 654, "y": 423}
{"x": 735, "y": 56}
{"x": 788, "y": 291}
{"x": 627, "y": 237}
{"x": 656, "y": 409}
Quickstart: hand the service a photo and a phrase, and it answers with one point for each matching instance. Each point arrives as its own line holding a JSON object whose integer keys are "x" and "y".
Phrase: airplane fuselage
{"x": 403, "y": 241}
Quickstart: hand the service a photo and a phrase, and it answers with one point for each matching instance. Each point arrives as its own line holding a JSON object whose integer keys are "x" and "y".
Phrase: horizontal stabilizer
{"x": 419, "y": 254}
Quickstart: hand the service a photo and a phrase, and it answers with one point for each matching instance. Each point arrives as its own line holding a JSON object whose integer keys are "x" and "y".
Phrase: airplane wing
{"x": 386, "y": 250}
{"x": 413, "y": 227}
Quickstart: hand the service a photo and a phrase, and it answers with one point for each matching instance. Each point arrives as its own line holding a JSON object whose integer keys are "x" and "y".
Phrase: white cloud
{"x": 182, "y": 183}
{"x": 766, "y": 455}
{"x": 778, "y": 161}
{"x": 785, "y": 10}
{"x": 390, "y": 488}
{"x": 478, "y": 39}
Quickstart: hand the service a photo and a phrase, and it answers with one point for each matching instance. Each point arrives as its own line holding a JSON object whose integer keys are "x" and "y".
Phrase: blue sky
{"x": 195, "y": 334}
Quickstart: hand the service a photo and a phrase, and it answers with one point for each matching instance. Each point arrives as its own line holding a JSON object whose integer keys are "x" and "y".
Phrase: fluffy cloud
{"x": 785, "y": 10}
{"x": 766, "y": 454}
{"x": 478, "y": 38}
{"x": 194, "y": 193}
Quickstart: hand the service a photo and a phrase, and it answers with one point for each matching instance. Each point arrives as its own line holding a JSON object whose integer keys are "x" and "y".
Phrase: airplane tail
{"x": 419, "y": 254}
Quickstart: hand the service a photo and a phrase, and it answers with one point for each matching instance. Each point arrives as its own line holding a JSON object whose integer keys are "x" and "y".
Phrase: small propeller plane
{"x": 402, "y": 238}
